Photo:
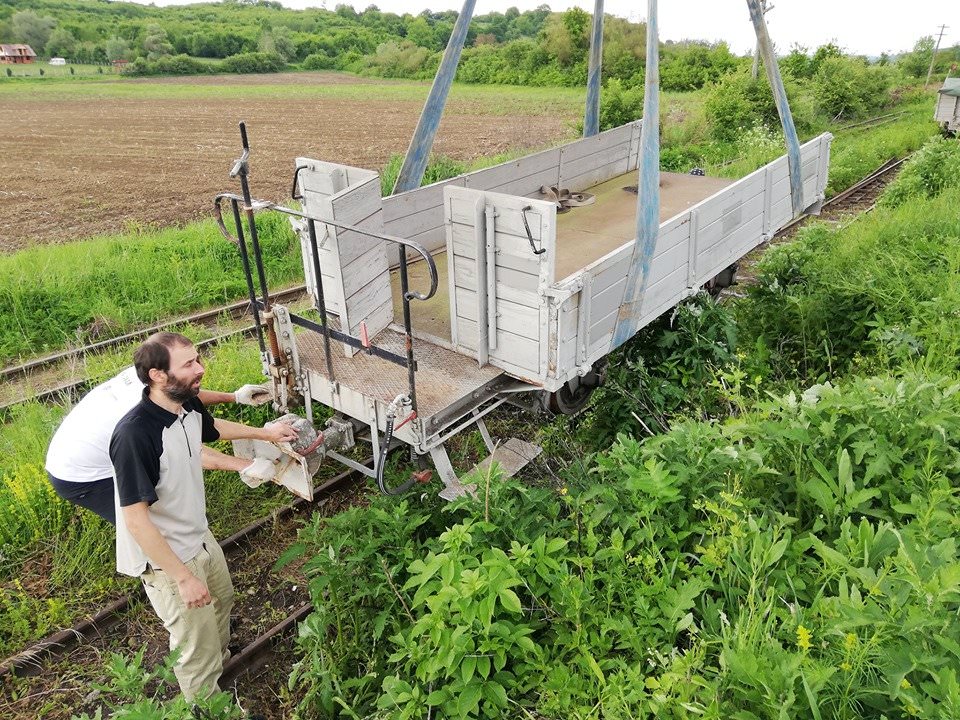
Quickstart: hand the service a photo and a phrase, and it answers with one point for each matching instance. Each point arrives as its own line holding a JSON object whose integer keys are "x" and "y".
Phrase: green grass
{"x": 488, "y": 99}
{"x": 59, "y": 295}
{"x": 51, "y": 72}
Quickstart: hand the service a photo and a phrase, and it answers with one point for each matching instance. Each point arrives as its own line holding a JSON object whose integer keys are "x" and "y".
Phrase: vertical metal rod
{"x": 783, "y": 106}
{"x": 415, "y": 162}
{"x": 648, "y": 195}
{"x": 241, "y": 170}
{"x": 245, "y": 259}
{"x": 591, "y": 115}
{"x": 408, "y": 330}
{"x": 321, "y": 303}
{"x": 251, "y": 222}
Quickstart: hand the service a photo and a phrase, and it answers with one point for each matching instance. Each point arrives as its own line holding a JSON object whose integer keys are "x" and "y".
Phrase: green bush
{"x": 738, "y": 103}
{"x": 766, "y": 566}
{"x": 932, "y": 169}
{"x": 879, "y": 294}
{"x": 319, "y": 61}
{"x": 849, "y": 87}
{"x": 254, "y": 62}
{"x": 618, "y": 105}
{"x": 169, "y": 65}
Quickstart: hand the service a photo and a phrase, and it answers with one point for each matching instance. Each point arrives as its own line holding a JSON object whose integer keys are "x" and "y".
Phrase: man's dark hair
{"x": 154, "y": 354}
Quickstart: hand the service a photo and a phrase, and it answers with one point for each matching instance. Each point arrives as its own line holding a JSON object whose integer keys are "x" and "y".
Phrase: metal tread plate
{"x": 442, "y": 378}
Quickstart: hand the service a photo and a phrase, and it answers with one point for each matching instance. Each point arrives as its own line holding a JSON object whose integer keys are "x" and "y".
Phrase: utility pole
{"x": 934, "y": 56}
{"x": 756, "y": 52}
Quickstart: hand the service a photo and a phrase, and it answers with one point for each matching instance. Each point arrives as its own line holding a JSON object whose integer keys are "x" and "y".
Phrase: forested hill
{"x": 537, "y": 47}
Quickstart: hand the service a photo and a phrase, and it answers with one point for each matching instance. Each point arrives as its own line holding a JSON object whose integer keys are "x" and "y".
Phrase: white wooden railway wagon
{"x": 947, "y": 112}
{"x": 527, "y": 298}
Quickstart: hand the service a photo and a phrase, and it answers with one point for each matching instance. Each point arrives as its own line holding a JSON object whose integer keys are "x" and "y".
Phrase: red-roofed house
{"x": 16, "y": 54}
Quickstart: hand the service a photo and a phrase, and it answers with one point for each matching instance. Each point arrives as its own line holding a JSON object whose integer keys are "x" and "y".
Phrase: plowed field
{"x": 84, "y": 158}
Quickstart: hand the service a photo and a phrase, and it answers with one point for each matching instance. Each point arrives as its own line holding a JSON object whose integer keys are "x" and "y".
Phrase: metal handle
{"x": 526, "y": 226}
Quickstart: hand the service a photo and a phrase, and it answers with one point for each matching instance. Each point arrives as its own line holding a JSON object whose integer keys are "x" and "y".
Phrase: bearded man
{"x": 162, "y": 532}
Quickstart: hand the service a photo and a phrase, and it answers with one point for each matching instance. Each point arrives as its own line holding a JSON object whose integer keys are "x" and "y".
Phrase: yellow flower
{"x": 803, "y": 638}
{"x": 846, "y": 666}
{"x": 563, "y": 491}
{"x": 905, "y": 684}
{"x": 850, "y": 641}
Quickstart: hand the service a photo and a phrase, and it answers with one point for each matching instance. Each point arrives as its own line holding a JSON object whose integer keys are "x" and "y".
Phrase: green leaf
{"x": 594, "y": 667}
{"x": 469, "y": 699}
{"x": 509, "y": 600}
{"x": 467, "y": 668}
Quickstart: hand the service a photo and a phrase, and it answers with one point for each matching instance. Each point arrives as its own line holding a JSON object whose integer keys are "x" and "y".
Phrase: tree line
{"x": 536, "y": 47}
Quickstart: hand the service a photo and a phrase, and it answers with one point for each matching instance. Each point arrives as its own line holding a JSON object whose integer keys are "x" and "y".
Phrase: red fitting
{"x": 407, "y": 419}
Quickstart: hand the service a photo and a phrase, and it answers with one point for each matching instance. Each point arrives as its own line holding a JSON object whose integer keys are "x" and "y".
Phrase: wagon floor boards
{"x": 587, "y": 233}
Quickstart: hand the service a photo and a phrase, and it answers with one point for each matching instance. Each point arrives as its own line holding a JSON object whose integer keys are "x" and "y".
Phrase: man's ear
{"x": 156, "y": 375}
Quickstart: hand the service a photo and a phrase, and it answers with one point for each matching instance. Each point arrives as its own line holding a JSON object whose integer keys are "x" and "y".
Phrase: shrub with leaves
{"x": 932, "y": 169}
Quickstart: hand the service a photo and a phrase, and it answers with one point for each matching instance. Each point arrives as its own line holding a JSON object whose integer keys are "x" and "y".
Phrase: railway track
{"x": 64, "y": 667}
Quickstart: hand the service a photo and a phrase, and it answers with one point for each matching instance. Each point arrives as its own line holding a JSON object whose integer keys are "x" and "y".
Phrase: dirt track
{"x": 74, "y": 167}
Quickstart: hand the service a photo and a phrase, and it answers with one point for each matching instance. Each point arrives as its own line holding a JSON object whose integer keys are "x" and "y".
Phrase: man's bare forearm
{"x": 215, "y": 397}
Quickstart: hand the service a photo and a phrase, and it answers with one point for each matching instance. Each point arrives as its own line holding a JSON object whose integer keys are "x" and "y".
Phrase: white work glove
{"x": 258, "y": 472}
{"x": 253, "y": 394}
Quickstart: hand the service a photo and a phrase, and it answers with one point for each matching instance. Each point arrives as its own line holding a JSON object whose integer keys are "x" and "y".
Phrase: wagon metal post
{"x": 648, "y": 195}
{"x": 415, "y": 161}
{"x": 591, "y": 115}
{"x": 240, "y": 170}
{"x": 765, "y": 47}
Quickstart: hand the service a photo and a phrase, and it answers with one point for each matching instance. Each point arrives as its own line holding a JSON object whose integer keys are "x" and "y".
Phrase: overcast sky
{"x": 867, "y": 27}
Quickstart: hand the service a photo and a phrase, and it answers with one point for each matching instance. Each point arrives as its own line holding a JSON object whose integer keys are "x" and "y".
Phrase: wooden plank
{"x": 353, "y": 245}
{"x": 358, "y": 203}
{"x": 597, "y": 143}
{"x": 523, "y": 352}
{"x": 543, "y": 166}
{"x": 367, "y": 297}
{"x": 512, "y": 317}
{"x": 369, "y": 266}
{"x": 396, "y": 207}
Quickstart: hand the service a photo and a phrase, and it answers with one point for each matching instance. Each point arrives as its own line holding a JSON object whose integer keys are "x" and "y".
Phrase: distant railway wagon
{"x": 436, "y": 305}
{"x": 947, "y": 113}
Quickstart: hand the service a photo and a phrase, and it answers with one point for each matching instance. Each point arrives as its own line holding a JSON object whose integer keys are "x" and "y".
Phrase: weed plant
{"x": 881, "y": 293}
{"x": 798, "y": 562}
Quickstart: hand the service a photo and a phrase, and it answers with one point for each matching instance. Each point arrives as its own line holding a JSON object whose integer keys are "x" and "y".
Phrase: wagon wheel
{"x": 573, "y": 397}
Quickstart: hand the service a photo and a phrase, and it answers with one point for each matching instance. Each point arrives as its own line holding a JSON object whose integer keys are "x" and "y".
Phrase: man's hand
{"x": 277, "y": 432}
{"x": 194, "y": 592}
{"x": 253, "y": 394}
{"x": 258, "y": 472}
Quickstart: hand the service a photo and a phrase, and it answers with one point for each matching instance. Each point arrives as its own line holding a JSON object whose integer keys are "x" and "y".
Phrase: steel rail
{"x": 57, "y": 645}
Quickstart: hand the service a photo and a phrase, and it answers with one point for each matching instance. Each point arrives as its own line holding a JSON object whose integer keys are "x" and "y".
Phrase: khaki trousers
{"x": 201, "y": 634}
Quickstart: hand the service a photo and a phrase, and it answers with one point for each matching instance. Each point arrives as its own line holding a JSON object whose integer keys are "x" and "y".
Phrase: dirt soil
{"x": 75, "y": 166}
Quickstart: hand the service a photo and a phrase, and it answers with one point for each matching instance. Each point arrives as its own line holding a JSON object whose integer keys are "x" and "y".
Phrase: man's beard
{"x": 180, "y": 391}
